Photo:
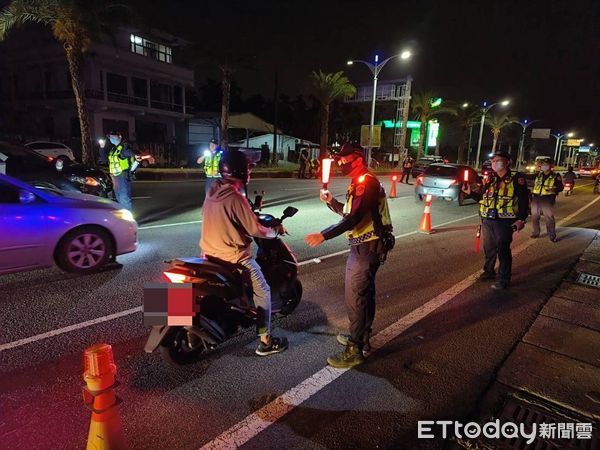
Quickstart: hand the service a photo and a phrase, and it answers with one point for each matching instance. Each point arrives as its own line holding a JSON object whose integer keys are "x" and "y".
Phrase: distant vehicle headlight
{"x": 124, "y": 214}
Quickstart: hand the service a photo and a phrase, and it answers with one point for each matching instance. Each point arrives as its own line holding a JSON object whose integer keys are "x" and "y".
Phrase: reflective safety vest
{"x": 365, "y": 230}
{"x": 500, "y": 196}
{"x": 211, "y": 165}
{"x": 117, "y": 165}
{"x": 544, "y": 187}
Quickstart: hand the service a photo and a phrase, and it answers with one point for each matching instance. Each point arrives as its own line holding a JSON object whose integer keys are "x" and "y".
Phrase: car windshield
{"x": 441, "y": 171}
{"x": 425, "y": 162}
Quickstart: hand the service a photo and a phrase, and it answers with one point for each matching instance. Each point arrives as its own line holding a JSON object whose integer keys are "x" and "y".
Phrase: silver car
{"x": 78, "y": 232}
{"x": 444, "y": 180}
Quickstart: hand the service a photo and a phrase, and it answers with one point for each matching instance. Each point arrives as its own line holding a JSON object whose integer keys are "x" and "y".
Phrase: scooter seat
{"x": 228, "y": 270}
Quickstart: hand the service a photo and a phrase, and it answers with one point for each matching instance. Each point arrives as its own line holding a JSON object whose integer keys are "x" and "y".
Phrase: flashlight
{"x": 207, "y": 153}
{"x": 102, "y": 142}
{"x": 325, "y": 171}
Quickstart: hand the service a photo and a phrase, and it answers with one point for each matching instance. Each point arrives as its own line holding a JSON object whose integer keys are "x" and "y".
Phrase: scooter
{"x": 568, "y": 189}
{"x": 222, "y": 299}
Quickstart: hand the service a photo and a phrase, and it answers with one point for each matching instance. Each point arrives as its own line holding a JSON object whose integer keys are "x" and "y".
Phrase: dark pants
{"x": 208, "y": 184}
{"x": 122, "y": 188}
{"x": 361, "y": 269}
{"x": 405, "y": 173}
{"x": 302, "y": 171}
{"x": 497, "y": 237}
{"x": 543, "y": 204}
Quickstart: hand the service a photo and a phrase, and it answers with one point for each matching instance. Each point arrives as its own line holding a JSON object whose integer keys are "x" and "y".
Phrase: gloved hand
{"x": 326, "y": 196}
{"x": 132, "y": 176}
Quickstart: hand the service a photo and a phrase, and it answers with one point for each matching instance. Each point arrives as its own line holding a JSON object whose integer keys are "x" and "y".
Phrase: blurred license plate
{"x": 434, "y": 191}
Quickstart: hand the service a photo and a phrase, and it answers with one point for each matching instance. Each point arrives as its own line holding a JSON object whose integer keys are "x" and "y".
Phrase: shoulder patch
{"x": 360, "y": 190}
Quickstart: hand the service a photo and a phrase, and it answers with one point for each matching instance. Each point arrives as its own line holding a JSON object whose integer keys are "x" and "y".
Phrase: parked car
{"x": 78, "y": 232}
{"x": 445, "y": 180}
{"x": 588, "y": 171}
{"x": 421, "y": 164}
{"x": 48, "y": 172}
{"x": 52, "y": 149}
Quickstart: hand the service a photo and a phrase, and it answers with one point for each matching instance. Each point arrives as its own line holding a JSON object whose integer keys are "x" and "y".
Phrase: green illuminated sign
{"x": 392, "y": 124}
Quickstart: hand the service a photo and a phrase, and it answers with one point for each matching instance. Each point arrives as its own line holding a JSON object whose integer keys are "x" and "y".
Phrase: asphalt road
{"x": 442, "y": 336}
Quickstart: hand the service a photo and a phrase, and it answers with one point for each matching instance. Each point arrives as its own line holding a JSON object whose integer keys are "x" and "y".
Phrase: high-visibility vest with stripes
{"x": 211, "y": 165}
{"x": 544, "y": 187}
{"x": 501, "y": 196}
{"x": 117, "y": 165}
{"x": 364, "y": 231}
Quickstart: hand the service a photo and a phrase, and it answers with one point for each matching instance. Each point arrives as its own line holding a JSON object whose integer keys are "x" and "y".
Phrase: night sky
{"x": 543, "y": 55}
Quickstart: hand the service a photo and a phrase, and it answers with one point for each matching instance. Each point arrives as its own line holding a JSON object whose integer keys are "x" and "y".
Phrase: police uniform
{"x": 365, "y": 219}
{"x": 503, "y": 201}
{"x": 211, "y": 168}
{"x": 543, "y": 198}
{"x": 120, "y": 160}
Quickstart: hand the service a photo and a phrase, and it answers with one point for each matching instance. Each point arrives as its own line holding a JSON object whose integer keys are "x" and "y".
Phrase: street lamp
{"x": 525, "y": 124}
{"x": 484, "y": 110}
{"x": 569, "y": 135}
{"x": 375, "y": 70}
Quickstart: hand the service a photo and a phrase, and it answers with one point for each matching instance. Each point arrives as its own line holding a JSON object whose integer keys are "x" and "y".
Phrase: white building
{"x": 132, "y": 85}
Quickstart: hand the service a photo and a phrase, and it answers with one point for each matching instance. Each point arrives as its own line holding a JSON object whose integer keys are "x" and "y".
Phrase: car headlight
{"x": 124, "y": 214}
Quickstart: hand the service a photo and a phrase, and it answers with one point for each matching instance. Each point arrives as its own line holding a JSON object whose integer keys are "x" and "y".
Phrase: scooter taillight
{"x": 175, "y": 277}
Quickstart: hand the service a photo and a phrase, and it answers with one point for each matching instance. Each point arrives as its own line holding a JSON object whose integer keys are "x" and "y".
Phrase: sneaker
{"x": 499, "y": 286}
{"x": 344, "y": 340}
{"x": 350, "y": 357}
{"x": 277, "y": 345}
{"x": 486, "y": 276}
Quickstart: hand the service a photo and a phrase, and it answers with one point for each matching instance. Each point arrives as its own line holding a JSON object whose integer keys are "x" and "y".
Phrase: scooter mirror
{"x": 290, "y": 211}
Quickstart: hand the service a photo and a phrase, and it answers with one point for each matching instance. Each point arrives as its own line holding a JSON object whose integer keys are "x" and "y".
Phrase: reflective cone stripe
{"x": 393, "y": 193}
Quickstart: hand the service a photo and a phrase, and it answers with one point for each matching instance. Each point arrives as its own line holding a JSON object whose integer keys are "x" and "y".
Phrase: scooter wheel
{"x": 292, "y": 302}
{"x": 177, "y": 350}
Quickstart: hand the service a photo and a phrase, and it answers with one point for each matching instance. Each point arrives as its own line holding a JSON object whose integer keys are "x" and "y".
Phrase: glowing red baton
{"x": 325, "y": 171}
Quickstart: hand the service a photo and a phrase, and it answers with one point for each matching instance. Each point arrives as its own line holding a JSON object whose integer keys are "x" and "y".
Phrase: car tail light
{"x": 420, "y": 179}
{"x": 453, "y": 182}
{"x": 175, "y": 277}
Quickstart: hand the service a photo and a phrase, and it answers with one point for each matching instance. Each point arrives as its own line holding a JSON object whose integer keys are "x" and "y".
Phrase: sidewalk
{"x": 553, "y": 374}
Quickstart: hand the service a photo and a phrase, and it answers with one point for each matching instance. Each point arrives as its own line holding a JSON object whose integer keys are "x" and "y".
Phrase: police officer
{"x": 406, "y": 168}
{"x": 211, "y": 160}
{"x": 504, "y": 204}
{"x": 122, "y": 162}
{"x": 368, "y": 226}
{"x": 543, "y": 197}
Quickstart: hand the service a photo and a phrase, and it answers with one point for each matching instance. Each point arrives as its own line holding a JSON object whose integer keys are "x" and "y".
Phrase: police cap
{"x": 502, "y": 154}
{"x": 349, "y": 149}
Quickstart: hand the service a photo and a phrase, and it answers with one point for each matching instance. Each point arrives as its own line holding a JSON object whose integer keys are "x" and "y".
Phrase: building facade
{"x": 132, "y": 84}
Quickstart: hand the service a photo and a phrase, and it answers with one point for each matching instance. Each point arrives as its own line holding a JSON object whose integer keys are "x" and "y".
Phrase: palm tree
{"x": 74, "y": 24}
{"x": 423, "y": 109}
{"x": 327, "y": 87}
{"x": 466, "y": 116}
{"x": 497, "y": 122}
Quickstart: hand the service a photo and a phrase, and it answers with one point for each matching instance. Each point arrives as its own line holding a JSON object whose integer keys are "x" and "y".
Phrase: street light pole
{"x": 558, "y": 138}
{"x": 520, "y": 155}
{"x": 484, "y": 111}
{"x": 375, "y": 69}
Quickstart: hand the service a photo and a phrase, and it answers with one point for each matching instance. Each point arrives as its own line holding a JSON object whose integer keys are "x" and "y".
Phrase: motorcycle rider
{"x": 569, "y": 177}
{"x": 227, "y": 227}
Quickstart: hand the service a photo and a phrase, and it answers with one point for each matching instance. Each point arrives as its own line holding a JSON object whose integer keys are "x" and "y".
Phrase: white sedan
{"x": 79, "y": 232}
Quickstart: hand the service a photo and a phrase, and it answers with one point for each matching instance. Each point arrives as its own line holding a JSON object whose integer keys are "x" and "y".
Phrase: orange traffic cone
{"x": 393, "y": 193}
{"x": 425, "y": 225}
{"x": 98, "y": 395}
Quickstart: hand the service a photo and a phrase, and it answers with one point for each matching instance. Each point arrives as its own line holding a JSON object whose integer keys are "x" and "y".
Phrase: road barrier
{"x": 99, "y": 396}
{"x": 425, "y": 225}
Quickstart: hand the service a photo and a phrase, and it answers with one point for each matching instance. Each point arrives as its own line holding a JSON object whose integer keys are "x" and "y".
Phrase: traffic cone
{"x": 425, "y": 225}
{"x": 98, "y": 395}
{"x": 393, "y": 193}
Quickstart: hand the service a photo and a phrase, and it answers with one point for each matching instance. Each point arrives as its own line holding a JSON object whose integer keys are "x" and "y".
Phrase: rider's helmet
{"x": 234, "y": 164}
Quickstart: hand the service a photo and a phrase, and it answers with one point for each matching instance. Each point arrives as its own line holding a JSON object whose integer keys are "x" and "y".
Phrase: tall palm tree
{"x": 74, "y": 24}
{"x": 497, "y": 122}
{"x": 423, "y": 109}
{"x": 327, "y": 87}
{"x": 466, "y": 116}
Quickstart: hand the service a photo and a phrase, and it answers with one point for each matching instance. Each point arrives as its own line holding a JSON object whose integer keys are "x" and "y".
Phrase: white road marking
{"x": 165, "y": 225}
{"x": 252, "y": 425}
{"x": 77, "y": 326}
{"x": 139, "y": 198}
